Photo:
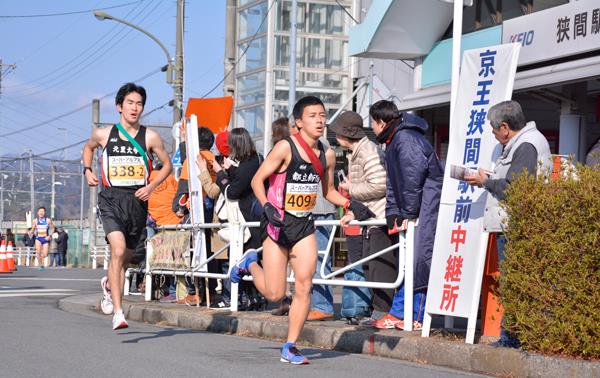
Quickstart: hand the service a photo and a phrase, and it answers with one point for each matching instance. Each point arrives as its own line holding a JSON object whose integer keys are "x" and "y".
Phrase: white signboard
{"x": 556, "y": 32}
{"x": 486, "y": 78}
{"x": 196, "y": 198}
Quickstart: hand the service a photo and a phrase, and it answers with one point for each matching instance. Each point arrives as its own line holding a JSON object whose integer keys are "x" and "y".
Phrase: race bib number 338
{"x": 300, "y": 198}
{"x": 126, "y": 170}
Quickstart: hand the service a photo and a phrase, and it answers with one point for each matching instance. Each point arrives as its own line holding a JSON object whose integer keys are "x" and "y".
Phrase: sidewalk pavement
{"x": 442, "y": 349}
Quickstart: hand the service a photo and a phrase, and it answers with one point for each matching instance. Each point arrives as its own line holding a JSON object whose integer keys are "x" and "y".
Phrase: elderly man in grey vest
{"x": 521, "y": 147}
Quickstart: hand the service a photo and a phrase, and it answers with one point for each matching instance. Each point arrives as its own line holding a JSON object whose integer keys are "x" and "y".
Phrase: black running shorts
{"x": 120, "y": 210}
{"x": 294, "y": 229}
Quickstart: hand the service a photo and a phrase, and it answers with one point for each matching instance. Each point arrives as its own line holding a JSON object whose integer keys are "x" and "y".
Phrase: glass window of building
{"x": 312, "y": 52}
{"x": 250, "y": 19}
{"x": 252, "y": 119}
{"x": 255, "y": 56}
{"x": 251, "y": 89}
{"x": 314, "y": 18}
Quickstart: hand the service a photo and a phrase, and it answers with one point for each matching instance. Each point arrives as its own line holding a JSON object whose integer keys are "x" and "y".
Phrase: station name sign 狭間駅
{"x": 569, "y": 29}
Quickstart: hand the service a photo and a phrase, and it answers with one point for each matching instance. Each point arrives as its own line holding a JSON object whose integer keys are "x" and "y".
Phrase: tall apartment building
{"x": 261, "y": 83}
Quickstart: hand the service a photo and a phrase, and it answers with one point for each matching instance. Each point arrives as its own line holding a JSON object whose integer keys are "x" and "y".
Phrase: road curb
{"x": 406, "y": 346}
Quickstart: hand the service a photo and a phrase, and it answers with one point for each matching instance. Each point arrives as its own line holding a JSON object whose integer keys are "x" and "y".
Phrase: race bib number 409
{"x": 300, "y": 198}
{"x": 126, "y": 171}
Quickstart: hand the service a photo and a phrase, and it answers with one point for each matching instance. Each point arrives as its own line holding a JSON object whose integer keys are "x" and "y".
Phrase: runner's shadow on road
{"x": 158, "y": 334}
{"x": 313, "y": 353}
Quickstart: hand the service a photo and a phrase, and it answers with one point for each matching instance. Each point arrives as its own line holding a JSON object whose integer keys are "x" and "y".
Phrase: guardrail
{"x": 100, "y": 253}
{"x": 24, "y": 256}
{"x": 405, "y": 248}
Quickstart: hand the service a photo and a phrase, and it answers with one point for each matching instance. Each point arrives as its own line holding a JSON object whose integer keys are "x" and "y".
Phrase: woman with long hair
{"x": 235, "y": 175}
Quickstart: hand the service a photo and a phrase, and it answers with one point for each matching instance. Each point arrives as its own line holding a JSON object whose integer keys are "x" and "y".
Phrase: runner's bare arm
{"x": 155, "y": 145}
{"x": 278, "y": 158}
{"x": 98, "y": 139}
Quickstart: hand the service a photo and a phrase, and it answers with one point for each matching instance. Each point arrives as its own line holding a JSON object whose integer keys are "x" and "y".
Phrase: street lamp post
{"x": 171, "y": 66}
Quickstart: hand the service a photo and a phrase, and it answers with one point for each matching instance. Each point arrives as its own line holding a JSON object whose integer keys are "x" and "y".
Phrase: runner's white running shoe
{"x": 106, "y": 304}
{"x": 119, "y": 321}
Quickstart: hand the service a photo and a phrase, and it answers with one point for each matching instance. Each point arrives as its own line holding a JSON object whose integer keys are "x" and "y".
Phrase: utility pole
{"x": 1, "y": 195}
{"x": 230, "y": 16}
{"x": 178, "y": 84}
{"x": 93, "y": 189}
{"x": 31, "y": 183}
{"x": 53, "y": 192}
{"x": 64, "y": 130}
{"x": 81, "y": 199}
{"x": 13, "y": 66}
{"x": 293, "y": 38}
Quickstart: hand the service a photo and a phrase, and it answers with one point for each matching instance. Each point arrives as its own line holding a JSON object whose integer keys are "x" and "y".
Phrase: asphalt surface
{"x": 39, "y": 340}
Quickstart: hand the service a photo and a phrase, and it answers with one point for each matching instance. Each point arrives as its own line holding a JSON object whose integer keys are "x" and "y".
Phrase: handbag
{"x": 220, "y": 208}
{"x": 234, "y": 215}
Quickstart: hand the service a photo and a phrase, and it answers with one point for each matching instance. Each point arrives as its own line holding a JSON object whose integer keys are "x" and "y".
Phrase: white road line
{"x": 31, "y": 295}
{"x": 17, "y": 290}
{"x": 50, "y": 279}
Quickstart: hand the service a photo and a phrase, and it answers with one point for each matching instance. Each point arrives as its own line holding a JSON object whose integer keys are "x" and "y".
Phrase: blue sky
{"x": 63, "y": 62}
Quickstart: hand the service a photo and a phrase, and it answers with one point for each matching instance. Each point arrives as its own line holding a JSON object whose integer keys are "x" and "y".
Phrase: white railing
{"x": 100, "y": 253}
{"x": 24, "y": 256}
{"x": 198, "y": 269}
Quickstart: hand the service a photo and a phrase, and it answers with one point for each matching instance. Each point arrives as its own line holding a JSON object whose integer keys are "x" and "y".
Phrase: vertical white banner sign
{"x": 486, "y": 78}
{"x": 196, "y": 198}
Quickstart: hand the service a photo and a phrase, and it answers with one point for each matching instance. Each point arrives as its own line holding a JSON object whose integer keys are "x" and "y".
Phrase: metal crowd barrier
{"x": 24, "y": 256}
{"x": 198, "y": 268}
{"x": 100, "y": 253}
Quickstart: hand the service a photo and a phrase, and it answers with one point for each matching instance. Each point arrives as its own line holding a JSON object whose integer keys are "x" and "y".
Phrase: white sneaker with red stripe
{"x": 119, "y": 321}
{"x": 106, "y": 304}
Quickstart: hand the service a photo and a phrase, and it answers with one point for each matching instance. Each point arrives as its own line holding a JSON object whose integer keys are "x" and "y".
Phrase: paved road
{"x": 39, "y": 340}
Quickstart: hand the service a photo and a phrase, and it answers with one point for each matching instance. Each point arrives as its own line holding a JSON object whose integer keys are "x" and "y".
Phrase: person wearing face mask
{"x": 414, "y": 187}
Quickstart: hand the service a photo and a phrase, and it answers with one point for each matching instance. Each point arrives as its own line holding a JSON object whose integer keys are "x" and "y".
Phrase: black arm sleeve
{"x": 222, "y": 180}
{"x": 183, "y": 151}
{"x": 240, "y": 182}
{"x": 524, "y": 158}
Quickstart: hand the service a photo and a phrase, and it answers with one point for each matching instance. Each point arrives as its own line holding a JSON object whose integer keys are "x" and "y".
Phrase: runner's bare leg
{"x": 270, "y": 280}
{"x": 45, "y": 248}
{"x": 303, "y": 259}
{"x": 116, "y": 267}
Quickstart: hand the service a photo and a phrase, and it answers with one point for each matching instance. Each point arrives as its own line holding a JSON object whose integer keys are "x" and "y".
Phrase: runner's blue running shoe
{"x": 291, "y": 354}
{"x": 240, "y": 269}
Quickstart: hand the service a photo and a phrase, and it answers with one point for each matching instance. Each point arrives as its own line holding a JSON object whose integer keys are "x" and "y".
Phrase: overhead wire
{"x": 106, "y": 48}
{"x": 356, "y": 21}
{"x": 249, "y": 43}
{"x": 46, "y": 153}
{"x": 346, "y": 11}
{"x": 74, "y": 110}
{"x": 82, "y": 57}
{"x": 69, "y": 13}
{"x": 54, "y": 38}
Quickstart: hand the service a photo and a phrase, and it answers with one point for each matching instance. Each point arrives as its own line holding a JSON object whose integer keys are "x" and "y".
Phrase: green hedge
{"x": 550, "y": 281}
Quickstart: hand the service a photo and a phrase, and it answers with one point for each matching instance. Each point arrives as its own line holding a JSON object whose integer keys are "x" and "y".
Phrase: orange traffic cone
{"x": 10, "y": 258}
{"x": 3, "y": 263}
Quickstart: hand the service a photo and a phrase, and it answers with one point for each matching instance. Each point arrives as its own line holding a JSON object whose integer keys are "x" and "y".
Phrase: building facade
{"x": 262, "y": 52}
{"x": 558, "y": 76}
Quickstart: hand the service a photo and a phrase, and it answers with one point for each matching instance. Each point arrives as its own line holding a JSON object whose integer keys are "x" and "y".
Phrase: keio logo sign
{"x": 525, "y": 38}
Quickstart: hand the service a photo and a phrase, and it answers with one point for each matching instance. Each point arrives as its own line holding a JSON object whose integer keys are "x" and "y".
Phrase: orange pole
{"x": 492, "y": 311}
